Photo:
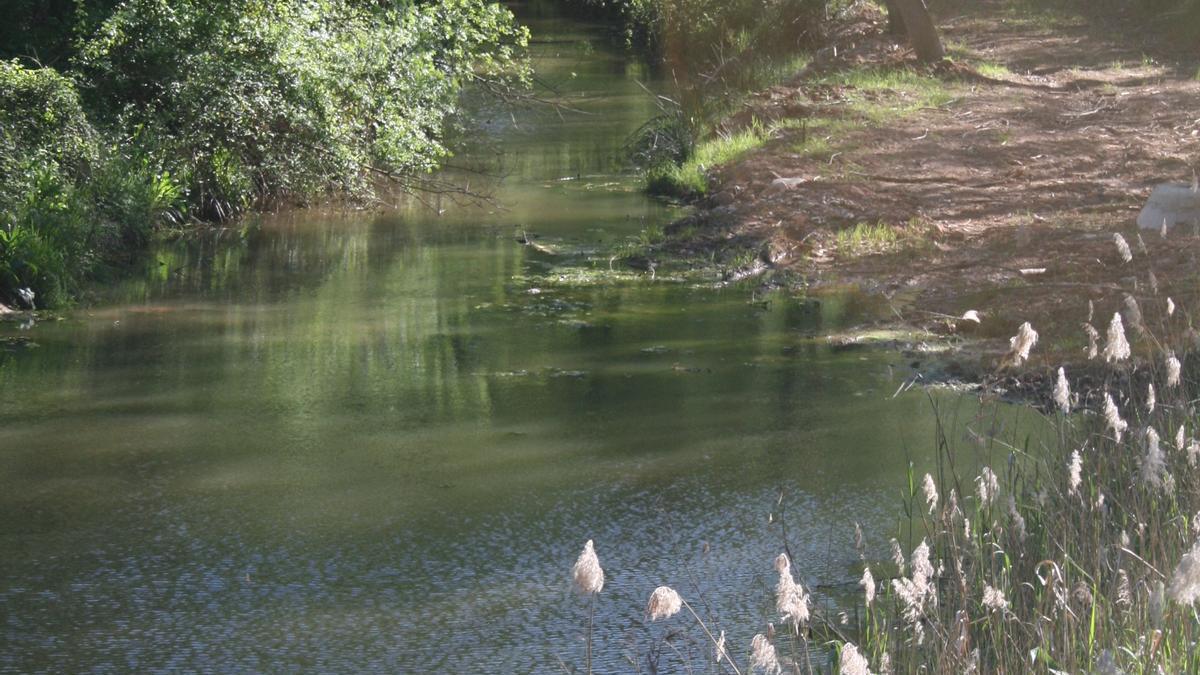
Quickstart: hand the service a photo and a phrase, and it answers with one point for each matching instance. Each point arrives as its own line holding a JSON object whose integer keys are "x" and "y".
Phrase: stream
{"x": 376, "y": 441}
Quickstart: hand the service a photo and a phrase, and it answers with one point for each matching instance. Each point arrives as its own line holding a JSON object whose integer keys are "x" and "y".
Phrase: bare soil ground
{"x": 1003, "y": 199}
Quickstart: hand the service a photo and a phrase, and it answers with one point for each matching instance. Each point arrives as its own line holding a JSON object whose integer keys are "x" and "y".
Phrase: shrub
{"x": 263, "y": 100}
{"x": 47, "y": 145}
{"x": 42, "y": 124}
{"x": 202, "y": 109}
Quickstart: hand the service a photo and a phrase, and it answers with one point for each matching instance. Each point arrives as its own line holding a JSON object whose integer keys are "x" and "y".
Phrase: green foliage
{"x": 257, "y": 100}
{"x": 715, "y": 51}
{"x": 46, "y": 147}
{"x": 202, "y": 109}
{"x": 690, "y": 178}
{"x": 42, "y": 125}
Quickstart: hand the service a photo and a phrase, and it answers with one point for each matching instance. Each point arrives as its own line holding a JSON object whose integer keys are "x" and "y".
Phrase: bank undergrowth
{"x": 157, "y": 113}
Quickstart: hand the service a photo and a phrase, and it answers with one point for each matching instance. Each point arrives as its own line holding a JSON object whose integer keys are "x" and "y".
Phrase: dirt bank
{"x": 993, "y": 183}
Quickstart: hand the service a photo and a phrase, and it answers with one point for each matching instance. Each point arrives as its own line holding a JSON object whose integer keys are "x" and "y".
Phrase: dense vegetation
{"x": 714, "y": 51}
{"x": 157, "y": 111}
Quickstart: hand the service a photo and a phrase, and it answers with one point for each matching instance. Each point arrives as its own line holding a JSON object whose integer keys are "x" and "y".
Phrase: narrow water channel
{"x": 377, "y": 441}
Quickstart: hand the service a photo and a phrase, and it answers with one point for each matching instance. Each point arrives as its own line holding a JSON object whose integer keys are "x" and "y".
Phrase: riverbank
{"x": 992, "y": 183}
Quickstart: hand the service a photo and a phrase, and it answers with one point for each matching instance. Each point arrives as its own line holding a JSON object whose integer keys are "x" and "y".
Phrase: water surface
{"x": 376, "y": 441}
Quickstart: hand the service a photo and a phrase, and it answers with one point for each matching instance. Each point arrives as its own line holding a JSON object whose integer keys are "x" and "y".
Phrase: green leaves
{"x": 261, "y": 100}
{"x": 212, "y": 108}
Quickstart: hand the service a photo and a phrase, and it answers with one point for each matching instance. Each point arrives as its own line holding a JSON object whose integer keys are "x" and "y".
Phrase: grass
{"x": 884, "y": 94}
{"x": 878, "y": 95}
{"x": 866, "y": 238}
{"x": 820, "y": 135}
{"x": 996, "y": 71}
{"x": 1069, "y": 545}
{"x": 691, "y": 177}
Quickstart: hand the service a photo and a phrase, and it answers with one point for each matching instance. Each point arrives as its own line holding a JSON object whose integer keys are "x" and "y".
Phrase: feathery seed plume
{"x": 1093, "y": 340}
{"x": 1083, "y": 594}
{"x": 1153, "y": 462}
{"x": 1151, "y": 399}
{"x": 993, "y": 598}
{"x": 1122, "y": 247}
{"x": 987, "y": 486}
{"x": 1174, "y": 370}
{"x": 664, "y": 603}
{"x": 1091, "y": 311}
{"x": 868, "y": 584}
{"x": 1062, "y": 392}
{"x": 897, "y": 556}
{"x": 931, "y": 493}
{"x": 1193, "y": 452}
{"x": 763, "y": 656}
{"x": 1112, "y": 417}
{"x": 1117, "y": 348}
{"x": 1170, "y": 307}
{"x": 1020, "y": 344}
{"x": 1142, "y": 244}
{"x": 1124, "y": 590}
{"x": 851, "y": 662}
{"x": 790, "y": 599}
{"x": 1133, "y": 313}
{"x": 1180, "y": 438}
{"x": 918, "y": 590}
{"x": 1158, "y": 604}
{"x": 1017, "y": 519}
{"x": 1075, "y": 469}
{"x": 1153, "y": 281}
{"x": 588, "y": 576}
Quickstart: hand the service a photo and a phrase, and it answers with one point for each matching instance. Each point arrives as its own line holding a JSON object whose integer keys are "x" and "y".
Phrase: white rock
{"x": 1176, "y": 204}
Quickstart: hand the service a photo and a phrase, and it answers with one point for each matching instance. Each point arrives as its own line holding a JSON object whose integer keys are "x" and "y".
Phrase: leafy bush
{"x": 46, "y": 146}
{"x": 202, "y": 109}
{"x": 257, "y": 100}
{"x": 42, "y": 124}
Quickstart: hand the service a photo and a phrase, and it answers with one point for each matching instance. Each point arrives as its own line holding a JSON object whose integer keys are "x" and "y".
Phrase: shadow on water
{"x": 353, "y": 442}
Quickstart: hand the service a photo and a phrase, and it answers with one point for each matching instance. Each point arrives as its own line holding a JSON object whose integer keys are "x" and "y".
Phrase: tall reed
{"x": 1075, "y": 552}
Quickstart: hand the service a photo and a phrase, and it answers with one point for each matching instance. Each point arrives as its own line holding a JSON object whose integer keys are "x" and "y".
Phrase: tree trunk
{"x": 895, "y": 21}
{"x": 922, "y": 34}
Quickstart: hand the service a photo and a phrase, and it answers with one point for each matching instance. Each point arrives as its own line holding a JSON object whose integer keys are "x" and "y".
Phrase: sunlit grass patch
{"x": 992, "y": 70}
{"x": 867, "y": 237}
{"x": 822, "y": 137}
{"x": 887, "y": 93}
{"x": 691, "y": 177}
{"x": 880, "y": 237}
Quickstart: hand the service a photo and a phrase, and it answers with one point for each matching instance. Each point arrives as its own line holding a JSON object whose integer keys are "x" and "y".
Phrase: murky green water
{"x": 371, "y": 442}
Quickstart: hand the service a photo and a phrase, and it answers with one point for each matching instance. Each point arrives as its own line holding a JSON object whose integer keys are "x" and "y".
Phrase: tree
{"x": 918, "y": 26}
